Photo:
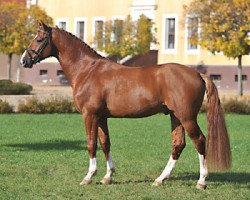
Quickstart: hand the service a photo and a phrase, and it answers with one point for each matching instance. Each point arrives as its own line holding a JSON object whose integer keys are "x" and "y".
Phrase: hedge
{"x": 54, "y": 105}
{"x": 7, "y": 87}
{"x": 60, "y": 105}
{"x": 5, "y": 107}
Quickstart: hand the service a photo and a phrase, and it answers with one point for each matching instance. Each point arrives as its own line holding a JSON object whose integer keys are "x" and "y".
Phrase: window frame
{"x": 165, "y": 35}
{"x": 191, "y": 51}
{"x": 94, "y": 19}
{"x": 84, "y": 20}
{"x": 43, "y": 72}
{"x": 113, "y": 18}
{"x": 64, "y": 19}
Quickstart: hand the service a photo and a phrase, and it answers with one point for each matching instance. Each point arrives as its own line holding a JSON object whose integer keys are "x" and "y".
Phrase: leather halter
{"x": 37, "y": 58}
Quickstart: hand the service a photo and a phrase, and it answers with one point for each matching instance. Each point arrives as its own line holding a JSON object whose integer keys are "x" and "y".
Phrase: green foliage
{"x": 7, "y": 87}
{"x": 224, "y": 25}
{"x": 53, "y": 105}
{"x": 17, "y": 24}
{"x": 144, "y": 35}
{"x": 5, "y": 107}
{"x": 121, "y": 38}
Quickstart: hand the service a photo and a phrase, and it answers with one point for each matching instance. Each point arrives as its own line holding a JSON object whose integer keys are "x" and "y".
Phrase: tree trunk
{"x": 9, "y": 65}
{"x": 18, "y": 73}
{"x": 239, "y": 70}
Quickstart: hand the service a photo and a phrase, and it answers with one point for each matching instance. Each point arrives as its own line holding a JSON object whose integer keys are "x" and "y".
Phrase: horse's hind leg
{"x": 103, "y": 135}
{"x": 178, "y": 144}
{"x": 199, "y": 142}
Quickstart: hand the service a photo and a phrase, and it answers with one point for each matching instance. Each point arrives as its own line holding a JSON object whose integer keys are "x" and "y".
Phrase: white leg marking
{"x": 203, "y": 171}
{"x": 110, "y": 167}
{"x": 92, "y": 168}
{"x": 167, "y": 171}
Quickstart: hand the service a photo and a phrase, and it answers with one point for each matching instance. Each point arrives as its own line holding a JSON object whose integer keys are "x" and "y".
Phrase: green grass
{"x": 45, "y": 157}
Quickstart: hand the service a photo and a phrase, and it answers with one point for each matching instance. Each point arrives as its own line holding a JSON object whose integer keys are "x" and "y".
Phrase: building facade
{"x": 84, "y": 17}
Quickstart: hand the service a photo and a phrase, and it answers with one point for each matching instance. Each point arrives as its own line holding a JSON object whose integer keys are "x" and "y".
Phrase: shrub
{"x": 54, "y": 105}
{"x": 231, "y": 106}
{"x": 5, "y": 107}
{"x": 31, "y": 106}
{"x": 236, "y": 106}
{"x": 7, "y": 87}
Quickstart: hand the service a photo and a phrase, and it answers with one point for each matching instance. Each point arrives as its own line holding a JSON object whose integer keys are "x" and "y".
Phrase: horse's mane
{"x": 85, "y": 44}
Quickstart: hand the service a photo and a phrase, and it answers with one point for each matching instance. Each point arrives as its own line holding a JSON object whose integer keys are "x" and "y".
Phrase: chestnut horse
{"x": 103, "y": 89}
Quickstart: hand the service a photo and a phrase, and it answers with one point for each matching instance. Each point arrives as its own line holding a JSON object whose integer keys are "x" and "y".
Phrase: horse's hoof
{"x": 106, "y": 181}
{"x": 200, "y": 186}
{"x": 86, "y": 182}
{"x": 157, "y": 183}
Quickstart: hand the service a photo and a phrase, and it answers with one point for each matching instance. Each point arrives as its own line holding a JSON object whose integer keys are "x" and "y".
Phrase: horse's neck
{"x": 72, "y": 55}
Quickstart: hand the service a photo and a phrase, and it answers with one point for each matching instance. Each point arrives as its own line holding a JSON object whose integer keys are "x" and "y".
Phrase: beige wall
{"x": 88, "y": 9}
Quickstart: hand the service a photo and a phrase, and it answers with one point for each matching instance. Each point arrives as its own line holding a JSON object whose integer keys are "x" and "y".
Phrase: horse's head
{"x": 39, "y": 48}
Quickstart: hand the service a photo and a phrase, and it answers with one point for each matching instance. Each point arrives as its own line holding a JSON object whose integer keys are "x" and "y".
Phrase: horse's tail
{"x": 218, "y": 153}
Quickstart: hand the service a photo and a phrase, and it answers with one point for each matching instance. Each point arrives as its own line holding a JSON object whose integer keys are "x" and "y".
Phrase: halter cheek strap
{"x": 37, "y": 58}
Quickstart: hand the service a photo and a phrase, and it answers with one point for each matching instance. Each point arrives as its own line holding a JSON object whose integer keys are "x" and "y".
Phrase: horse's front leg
{"x": 103, "y": 134}
{"x": 91, "y": 126}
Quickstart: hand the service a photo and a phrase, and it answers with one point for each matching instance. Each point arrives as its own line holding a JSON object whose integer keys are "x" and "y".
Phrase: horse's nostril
{"x": 23, "y": 62}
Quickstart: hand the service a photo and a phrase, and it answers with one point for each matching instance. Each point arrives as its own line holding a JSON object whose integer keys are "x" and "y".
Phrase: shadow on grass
{"x": 227, "y": 177}
{"x": 56, "y": 145}
{"x": 147, "y": 180}
{"x": 233, "y": 177}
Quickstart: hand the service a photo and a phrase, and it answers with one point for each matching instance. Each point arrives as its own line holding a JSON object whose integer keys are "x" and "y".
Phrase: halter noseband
{"x": 37, "y": 58}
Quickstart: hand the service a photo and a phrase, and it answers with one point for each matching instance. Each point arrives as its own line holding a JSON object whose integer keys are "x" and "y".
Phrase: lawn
{"x": 45, "y": 157}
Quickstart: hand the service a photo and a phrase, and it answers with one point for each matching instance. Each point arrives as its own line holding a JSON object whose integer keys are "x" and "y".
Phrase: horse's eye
{"x": 39, "y": 40}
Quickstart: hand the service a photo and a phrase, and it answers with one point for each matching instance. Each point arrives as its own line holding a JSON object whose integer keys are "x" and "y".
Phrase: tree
{"x": 125, "y": 37}
{"x": 17, "y": 24}
{"x": 224, "y": 26}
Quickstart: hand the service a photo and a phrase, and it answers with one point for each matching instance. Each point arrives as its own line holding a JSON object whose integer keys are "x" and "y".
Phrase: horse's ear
{"x": 42, "y": 26}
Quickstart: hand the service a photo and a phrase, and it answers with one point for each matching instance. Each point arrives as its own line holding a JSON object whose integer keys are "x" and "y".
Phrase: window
{"x": 43, "y": 72}
{"x": 80, "y": 25}
{"x": 117, "y": 30}
{"x": 60, "y": 73}
{"x": 170, "y": 33}
{"x": 244, "y": 78}
{"x": 192, "y": 31}
{"x": 62, "y": 23}
{"x": 99, "y": 33}
{"x": 215, "y": 77}
{"x": 80, "y": 29}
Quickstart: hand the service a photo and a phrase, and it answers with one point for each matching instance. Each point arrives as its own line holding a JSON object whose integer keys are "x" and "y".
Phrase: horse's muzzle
{"x": 26, "y": 62}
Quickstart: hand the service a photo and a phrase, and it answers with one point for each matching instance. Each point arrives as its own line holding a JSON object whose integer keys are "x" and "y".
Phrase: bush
{"x": 7, "y": 87}
{"x": 31, "y": 106}
{"x": 5, "y": 107}
{"x": 231, "y": 106}
{"x": 236, "y": 106}
{"x": 53, "y": 105}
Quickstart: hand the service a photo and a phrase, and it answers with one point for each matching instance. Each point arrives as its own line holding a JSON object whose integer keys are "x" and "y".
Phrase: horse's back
{"x": 143, "y": 91}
